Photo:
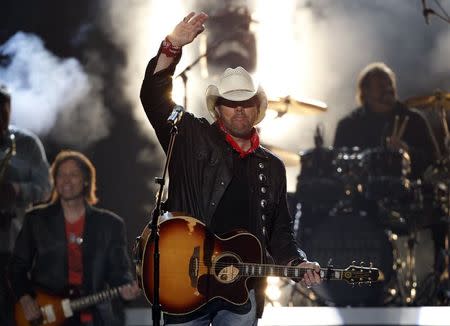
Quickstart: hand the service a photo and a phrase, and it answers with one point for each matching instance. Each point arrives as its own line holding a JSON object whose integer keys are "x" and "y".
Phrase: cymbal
{"x": 288, "y": 104}
{"x": 289, "y": 158}
{"x": 439, "y": 99}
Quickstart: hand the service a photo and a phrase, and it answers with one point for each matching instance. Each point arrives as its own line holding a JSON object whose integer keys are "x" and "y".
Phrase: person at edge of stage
{"x": 70, "y": 244}
{"x": 24, "y": 180}
{"x": 220, "y": 174}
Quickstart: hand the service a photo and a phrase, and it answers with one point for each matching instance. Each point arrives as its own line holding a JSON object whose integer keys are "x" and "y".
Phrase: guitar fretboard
{"x": 90, "y": 300}
{"x": 257, "y": 270}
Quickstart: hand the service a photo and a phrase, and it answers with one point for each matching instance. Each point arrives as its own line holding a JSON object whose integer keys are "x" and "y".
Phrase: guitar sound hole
{"x": 226, "y": 268}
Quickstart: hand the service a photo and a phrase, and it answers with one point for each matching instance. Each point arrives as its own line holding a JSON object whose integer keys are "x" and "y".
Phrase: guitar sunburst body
{"x": 187, "y": 280}
{"x": 52, "y": 308}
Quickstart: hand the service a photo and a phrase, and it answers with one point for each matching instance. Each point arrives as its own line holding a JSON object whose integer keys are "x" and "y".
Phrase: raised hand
{"x": 188, "y": 29}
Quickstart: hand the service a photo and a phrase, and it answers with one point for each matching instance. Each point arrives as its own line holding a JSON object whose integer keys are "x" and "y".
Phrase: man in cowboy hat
{"x": 219, "y": 172}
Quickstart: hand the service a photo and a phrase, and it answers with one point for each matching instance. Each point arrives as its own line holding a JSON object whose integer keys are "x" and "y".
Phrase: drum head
{"x": 345, "y": 239}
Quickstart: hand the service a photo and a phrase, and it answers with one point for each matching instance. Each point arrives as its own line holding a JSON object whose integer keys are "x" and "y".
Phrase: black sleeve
{"x": 282, "y": 244}
{"x": 421, "y": 147}
{"x": 118, "y": 260}
{"x": 22, "y": 260}
{"x": 156, "y": 98}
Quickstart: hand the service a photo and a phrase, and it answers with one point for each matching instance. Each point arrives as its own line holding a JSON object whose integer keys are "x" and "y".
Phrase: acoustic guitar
{"x": 196, "y": 266}
{"x": 57, "y": 310}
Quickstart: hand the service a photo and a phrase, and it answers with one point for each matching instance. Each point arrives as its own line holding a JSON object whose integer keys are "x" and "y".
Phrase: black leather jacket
{"x": 41, "y": 248}
{"x": 201, "y": 166}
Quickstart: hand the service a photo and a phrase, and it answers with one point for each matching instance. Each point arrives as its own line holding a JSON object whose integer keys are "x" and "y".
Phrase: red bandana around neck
{"x": 254, "y": 141}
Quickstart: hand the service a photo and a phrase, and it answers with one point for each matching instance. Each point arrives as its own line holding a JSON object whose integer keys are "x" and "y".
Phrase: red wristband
{"x": 169, "y": 49}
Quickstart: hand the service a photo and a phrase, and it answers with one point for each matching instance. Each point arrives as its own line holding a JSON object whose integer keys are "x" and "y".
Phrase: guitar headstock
{"x": 359, "y": 274}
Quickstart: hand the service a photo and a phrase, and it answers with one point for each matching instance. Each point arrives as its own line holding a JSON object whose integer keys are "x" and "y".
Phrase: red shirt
{"x": 74, "y": 236}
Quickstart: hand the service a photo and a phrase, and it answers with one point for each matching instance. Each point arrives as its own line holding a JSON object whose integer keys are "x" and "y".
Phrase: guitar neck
{"x": 259, "y": 270}
{"x": 91, "y": 300}
{"x": 352, "y": 274}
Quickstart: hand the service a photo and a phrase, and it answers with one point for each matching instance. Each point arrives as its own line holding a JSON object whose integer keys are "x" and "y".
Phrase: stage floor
{"x": 311, "y": 316}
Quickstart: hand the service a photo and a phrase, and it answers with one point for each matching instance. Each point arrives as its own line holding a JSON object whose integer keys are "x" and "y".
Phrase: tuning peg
{"x": 353, "y": 262}
{"x": 362, "y": 263}
{"x": 371, "y": 265}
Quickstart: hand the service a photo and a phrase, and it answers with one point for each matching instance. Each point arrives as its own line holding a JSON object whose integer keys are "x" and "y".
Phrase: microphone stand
{"x": 153, "y": 226}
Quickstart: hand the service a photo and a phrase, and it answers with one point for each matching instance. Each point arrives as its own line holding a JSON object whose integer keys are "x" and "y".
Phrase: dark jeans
{"x": 222, "y": 317}
{"x": 6, "y": 300}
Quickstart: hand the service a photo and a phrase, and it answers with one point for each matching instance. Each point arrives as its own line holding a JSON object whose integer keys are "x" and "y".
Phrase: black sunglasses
{"x": 254, "y": 101}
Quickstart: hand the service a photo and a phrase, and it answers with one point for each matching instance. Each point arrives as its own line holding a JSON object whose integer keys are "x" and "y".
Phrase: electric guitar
{"x": 57, "y": 310}
{"x": 197, "y": 266}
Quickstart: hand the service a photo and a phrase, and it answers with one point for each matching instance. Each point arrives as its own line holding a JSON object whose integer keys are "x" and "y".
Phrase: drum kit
{"x": 364, "y": 205}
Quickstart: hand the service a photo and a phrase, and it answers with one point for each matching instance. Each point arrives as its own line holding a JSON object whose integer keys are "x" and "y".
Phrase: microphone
{"x": 176, "y": 115}
{"x": 318, "y": 136}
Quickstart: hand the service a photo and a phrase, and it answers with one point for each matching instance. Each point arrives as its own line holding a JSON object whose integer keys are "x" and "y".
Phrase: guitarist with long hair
{"x": 220, "y": 174}
{"x": 70, "y": 244}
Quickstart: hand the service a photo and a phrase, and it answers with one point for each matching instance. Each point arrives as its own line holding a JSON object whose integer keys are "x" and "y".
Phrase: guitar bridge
{"x": 194, "y": 264}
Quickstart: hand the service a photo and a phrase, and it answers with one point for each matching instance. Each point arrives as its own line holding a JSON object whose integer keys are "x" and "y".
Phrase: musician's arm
{"x": 118, "y": 263}
{"x": 156, "y": 90}
{"x": 22, "y": 261}
{"x": 156, "y": 97}
{"x": 36, "y": 186}
{"x": 282, "y": 243}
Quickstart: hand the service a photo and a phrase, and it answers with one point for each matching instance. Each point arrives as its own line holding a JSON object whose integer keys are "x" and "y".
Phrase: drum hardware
{"x": 443, "y": 290}
{"x": 414, "y": 280}
{"x": 380, "y": 176}
{"x": 288, "y": 104}
{"x": 440, "y": 101}
{"x": 404, "y": 284}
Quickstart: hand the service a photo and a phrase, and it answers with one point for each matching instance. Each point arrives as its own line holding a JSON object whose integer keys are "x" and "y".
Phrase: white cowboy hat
{"x": 236, "y": 85}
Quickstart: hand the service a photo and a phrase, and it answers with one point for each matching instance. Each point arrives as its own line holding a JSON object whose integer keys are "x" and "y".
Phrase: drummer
{"x": 381, "y": 120}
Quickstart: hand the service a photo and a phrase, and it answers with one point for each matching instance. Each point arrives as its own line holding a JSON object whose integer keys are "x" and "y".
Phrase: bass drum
{"x": 344, "y": 239}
